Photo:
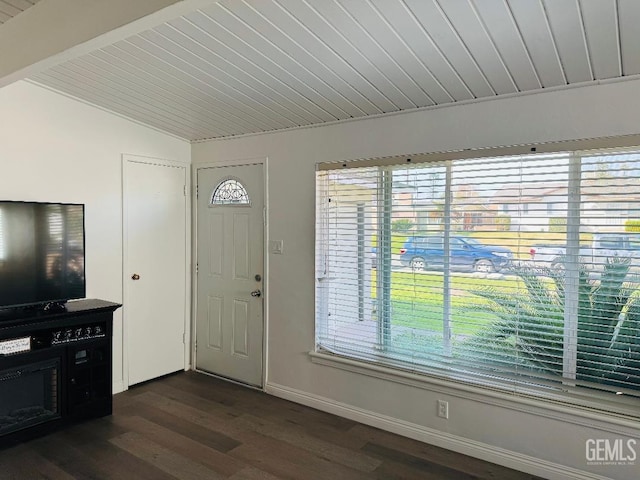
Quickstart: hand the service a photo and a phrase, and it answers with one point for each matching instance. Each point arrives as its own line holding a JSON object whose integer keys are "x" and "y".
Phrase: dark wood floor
{"x": 190, "y": 426}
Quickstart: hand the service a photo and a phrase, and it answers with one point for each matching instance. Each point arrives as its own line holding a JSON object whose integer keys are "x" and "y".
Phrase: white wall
{"x": 515, "y": 434}
{"x": 56, "y": 149}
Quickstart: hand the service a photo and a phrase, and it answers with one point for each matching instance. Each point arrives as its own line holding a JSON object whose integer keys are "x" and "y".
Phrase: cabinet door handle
{"x": 135, "y": 276}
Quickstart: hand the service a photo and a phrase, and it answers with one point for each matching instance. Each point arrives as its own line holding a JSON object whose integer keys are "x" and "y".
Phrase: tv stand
{"x": 55, "y": 367}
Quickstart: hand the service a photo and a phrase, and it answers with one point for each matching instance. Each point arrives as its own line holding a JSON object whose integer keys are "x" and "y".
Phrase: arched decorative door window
{"x": 230, "y": 191}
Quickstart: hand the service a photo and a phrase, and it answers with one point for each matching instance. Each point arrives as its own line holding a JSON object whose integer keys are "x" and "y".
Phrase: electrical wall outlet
{"x": 443, "y": 409}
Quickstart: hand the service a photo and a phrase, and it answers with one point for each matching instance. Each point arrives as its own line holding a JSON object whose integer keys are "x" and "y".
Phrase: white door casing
{"x": 230, "y": 267}
{"x": 155, "y": 249}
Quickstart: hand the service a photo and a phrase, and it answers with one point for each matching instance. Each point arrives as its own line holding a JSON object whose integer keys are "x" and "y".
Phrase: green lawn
{"x": 417, "y": 301}
{"x": 429, "y": 315}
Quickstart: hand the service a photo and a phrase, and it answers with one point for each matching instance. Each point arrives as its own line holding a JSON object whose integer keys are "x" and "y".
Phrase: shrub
{"x": 608, "y": 325}
{"x": 558, "y": 224}
{"x": 632, "y": 225}
{"x": 502, "y": 222}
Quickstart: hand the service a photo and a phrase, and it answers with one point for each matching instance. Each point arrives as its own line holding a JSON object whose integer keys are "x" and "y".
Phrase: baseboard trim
{"x": 489, "y": 453}
{"x": 118, "y": 387}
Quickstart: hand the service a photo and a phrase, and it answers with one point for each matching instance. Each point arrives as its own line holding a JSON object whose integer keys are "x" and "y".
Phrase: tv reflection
{"x": 65, "y": 272}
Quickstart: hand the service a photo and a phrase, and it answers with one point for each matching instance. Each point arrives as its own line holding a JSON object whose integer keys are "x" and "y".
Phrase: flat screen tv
{"x": 41, "y": 254}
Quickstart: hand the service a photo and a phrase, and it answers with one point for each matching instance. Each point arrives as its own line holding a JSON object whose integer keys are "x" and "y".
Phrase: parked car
{"x": 604, "y": 246}
{"x": 465, "y": 253}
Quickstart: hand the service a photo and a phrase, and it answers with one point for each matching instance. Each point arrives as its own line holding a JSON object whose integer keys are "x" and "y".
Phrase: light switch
{"x": 275, "y": 246}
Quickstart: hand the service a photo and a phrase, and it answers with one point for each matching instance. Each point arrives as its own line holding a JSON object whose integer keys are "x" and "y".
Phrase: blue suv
{"x": 427, "y": 253}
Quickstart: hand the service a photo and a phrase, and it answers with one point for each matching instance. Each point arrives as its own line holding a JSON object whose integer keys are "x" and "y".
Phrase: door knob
{"x": 256, "y": 293}
{"x": 135, "y": 276}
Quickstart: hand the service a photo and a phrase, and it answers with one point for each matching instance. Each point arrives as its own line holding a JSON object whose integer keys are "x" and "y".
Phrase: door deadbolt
{"x": 135, "y": 276}
{"x": 258, "y": 277}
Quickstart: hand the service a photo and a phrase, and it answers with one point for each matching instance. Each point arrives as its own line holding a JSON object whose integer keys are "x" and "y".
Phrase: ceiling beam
{"x": 54, "y": 31}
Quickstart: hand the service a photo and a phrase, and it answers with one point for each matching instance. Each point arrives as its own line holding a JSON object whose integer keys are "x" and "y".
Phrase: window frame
{"x": 319, "y": 355}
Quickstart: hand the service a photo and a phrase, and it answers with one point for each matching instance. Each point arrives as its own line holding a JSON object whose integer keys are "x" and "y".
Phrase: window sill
{"x": 592, "y": 416}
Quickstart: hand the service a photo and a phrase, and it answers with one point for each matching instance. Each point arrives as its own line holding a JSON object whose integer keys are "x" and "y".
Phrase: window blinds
{"x": 520, "y": 273}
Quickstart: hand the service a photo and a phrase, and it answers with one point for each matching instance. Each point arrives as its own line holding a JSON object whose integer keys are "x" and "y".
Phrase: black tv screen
{"x": 41, "y": 253}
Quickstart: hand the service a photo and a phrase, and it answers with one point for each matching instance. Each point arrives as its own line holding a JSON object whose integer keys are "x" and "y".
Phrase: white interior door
{"x": 155, "y": 267}
{"x": 229, "y": 316}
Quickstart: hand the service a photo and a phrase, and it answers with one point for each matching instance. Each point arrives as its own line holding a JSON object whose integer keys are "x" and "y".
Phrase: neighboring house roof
{"x": 593, "y": 190}
{"x": 515, "y": 193}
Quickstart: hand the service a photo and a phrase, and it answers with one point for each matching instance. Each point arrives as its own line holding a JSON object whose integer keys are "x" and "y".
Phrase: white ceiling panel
{"x": 179, "y": 106}
{"x": 353, "y": 36}
{"x": 534, "y": 27}
{"x": 412, "y": 78}
{"x": 333, "y": 48}
{"x": 245, "y": 66}
{"x": 600, "y": 19}
{"x": 168, "y": 86}
{"x": 276, "y": 44}
{"x": 434, "y": 20}
{"x": 247, "y": 100}
{"x": 231, "y": 32}
{"x": 67, "y": 83}
{"x": 505, "y": 34}
{"x": 255, "y": 88}
{"x": 370, "y": 98}
{"x": 252, "y": 73}
{"x": 215, "y": 90}
{"x": 472, "y": 31}
{"x": 628, "y": 14}
{"x": 11, "y": 8}
{"x": 565, "y": 20}
{"x": 420, "y": 43}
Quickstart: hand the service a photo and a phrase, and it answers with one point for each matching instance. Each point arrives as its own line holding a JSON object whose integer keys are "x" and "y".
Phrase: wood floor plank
{"x": 248, "y": 401}
{"x": 214, "y": 419}
{"x": 23, "y": 462}
{"x": 252, "y": 473}
{"x": 166, "y": 460}
{"x": 424, "y": 468}
{"x": 286, "y": 461}
{"x": 464, "y": 464}
{"x": 208, "y": 416}
{"x": 167, "y": 397}
{"x": 69, "y": 458}
{"x": 181, "y": 444}
{"x": 191, "y": 426}
{"x": 112, "y": 460}
{"x": 206, "y": 436}
{"x": 297, "y": 437}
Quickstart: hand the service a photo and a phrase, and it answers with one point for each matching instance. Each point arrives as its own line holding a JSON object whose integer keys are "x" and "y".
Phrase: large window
{"x": 519, "y": 273}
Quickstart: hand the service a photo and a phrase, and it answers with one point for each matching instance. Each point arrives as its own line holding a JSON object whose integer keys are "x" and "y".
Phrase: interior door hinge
{"x": 184, "y": 190}
{"x": 197, "y": 191}
{"x": 196, "y": 268}
{"x": 184, "y": 339}
{"x": 264, "y": 216}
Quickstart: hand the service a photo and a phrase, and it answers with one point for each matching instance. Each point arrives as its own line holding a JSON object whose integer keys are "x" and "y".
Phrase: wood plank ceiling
{"x": 11, "y": 8}
{"x": 244, "y": 66}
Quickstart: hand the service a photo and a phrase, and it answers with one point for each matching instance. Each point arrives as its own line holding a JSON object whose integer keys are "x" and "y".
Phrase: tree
{"x": 401, "y": 225}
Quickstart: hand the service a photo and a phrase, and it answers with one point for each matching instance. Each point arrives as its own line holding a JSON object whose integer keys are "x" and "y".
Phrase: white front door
{"x": 229, "y": 316}
{"x": 155, "y": 219}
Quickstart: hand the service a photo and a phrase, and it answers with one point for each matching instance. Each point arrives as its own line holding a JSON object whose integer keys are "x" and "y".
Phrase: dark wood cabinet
{"x": 63, "y": 376}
